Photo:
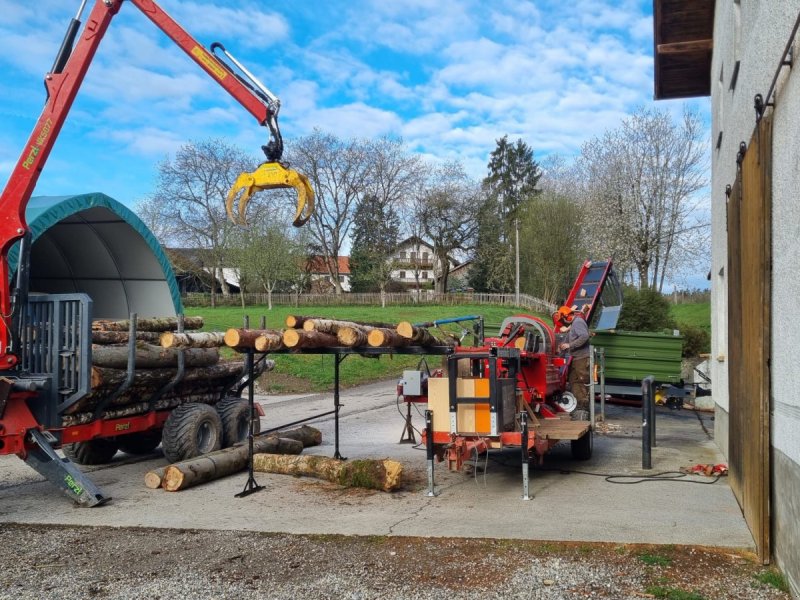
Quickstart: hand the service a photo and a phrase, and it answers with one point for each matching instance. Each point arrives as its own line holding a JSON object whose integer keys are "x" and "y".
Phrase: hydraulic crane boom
{"x": 62, "y": 85}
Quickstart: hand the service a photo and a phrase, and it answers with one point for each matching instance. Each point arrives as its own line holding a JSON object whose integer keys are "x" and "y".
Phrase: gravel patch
{"x": 46, "y": 562}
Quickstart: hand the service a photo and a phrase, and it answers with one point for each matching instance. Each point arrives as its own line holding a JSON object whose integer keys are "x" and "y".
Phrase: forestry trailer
{"x": 46, "y": 339}
{"x": 511, "y": 390}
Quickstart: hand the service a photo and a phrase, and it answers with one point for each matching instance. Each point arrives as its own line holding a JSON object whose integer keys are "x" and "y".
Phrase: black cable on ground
{"x": 670, "y": 476}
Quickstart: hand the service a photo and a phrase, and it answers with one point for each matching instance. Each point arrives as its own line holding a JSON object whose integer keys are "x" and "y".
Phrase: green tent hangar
{"x": 92, "y": 244}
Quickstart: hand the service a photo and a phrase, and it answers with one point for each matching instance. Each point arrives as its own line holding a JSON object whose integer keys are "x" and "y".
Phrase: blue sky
{"x": 449, "y": 77}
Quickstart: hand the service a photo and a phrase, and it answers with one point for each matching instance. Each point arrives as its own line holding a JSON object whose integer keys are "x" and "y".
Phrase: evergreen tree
{"x": 511, "y": 182}
{"x": 375, "y": 236}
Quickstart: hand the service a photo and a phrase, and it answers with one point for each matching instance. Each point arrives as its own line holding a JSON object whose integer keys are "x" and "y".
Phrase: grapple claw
{"x": 270, "y": 176}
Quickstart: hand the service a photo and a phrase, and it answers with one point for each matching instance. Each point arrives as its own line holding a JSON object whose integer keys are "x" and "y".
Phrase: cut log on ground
{"x": 122, "y": 337}
{"x": 150, "y": 356}
{"x": 246, "y": 338}
{"x": 372, "y": 474}
{"x": 218, "y": 464}
{"x": 270, "y": 342}
{"x": 153, "y": 479}
{"x": 155, "y": 324}
{"x": 386, "y": 338}
{"x": 200, "y": 339}
{"x": 419, "y": 336}
{"x": 215, "y": 465}
{"x": 297, "y": 338}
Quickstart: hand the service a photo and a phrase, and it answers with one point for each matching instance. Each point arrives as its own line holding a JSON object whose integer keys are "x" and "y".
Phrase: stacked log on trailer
{"x": 156, "y": 348}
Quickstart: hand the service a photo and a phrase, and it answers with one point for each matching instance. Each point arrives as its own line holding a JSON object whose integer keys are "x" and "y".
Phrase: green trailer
{"x": 630, "y": 356}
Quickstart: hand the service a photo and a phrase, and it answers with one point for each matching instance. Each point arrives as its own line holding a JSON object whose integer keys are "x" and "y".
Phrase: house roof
{"x": 414, "y": 240}
{"x": 317, "y": 265}
{"x": 683, "y": 42}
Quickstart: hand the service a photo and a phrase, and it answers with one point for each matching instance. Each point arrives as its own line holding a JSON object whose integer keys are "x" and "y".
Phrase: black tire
{"x": 191, "y": 430}
{"x": 142, "y": 442}
{"x": 235, "y": 416}
{"x": 98, "y": 451}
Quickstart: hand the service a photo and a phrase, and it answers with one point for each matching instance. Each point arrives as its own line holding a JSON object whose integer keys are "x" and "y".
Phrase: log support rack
{"x": 340, "y": 353}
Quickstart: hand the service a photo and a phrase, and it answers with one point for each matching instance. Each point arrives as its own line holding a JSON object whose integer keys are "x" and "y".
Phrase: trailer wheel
{"x": 91, "y": 452}
{"x": 235, "y": 416}
{"x": 191, "y": 430}
{"x": 142, "y": 442}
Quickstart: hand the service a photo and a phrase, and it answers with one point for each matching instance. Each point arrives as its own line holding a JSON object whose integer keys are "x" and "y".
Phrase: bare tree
{"x": 189, "y": 201}
{"x": 337, "y": 171}
{"x": 447, "y": 213}
{"x": 641, "y": 184}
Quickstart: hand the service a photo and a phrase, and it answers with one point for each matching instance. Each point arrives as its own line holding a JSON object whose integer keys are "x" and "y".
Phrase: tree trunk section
{"x": 382, "y": 475}
{"x": 155, "y": 324}
{"x": 386, "y": 338}
{"x": 270, "y": 342}
{"x": 297, "y": 338}
{"x": 419, "y": 336}
{"x": 122, "y": 337}
{"x": 297, "y": 321}
{"x": 351, "y": 336}
{"x": 215, "y": 465}
{"x": 205, "y": 339}
{"x": 153, "y": 479}
{"x": 103, "y": 377}
{"x": 246, "y": 338}
{"x": 150, "y": 356}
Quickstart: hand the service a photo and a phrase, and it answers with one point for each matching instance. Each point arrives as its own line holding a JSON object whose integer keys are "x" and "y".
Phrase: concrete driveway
{"x": 572, "y": 500}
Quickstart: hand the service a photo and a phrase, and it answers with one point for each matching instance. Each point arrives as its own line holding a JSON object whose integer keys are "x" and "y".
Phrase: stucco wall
{"x": 756, "y": 33}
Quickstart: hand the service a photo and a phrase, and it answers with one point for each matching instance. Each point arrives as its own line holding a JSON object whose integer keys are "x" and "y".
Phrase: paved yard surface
{"x": 573, "y": 502}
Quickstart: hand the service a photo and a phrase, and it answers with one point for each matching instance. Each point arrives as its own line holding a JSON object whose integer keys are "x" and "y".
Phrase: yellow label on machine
{"x": 209, "y": 62}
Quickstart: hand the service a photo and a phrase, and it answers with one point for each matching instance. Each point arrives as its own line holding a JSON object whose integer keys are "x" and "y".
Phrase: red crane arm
{"x": 62, "y": 88}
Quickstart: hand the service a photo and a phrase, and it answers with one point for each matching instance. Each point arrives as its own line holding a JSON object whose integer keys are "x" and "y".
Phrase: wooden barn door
{"x": 749, "y": 292}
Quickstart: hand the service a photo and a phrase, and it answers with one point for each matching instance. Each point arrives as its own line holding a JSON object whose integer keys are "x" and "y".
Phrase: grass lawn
{"x": 313, "y": 373}
{"x": 698, "y": 315}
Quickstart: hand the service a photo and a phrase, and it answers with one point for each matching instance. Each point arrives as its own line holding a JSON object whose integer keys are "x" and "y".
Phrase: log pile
{"x": 215, "y": 465}
{"x": 156, "y": 348}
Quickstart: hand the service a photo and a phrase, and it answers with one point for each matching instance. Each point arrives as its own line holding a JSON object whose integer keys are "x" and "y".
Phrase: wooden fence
{"x": 403, "y": 298}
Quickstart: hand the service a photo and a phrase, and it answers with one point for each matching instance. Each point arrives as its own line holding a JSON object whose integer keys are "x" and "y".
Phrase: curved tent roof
{"x": 91, "y": 243}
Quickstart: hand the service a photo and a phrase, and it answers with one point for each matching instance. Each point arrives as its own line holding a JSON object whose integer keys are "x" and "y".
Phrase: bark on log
{"x": 291, "y": 441}
{"x": 386, "y": 338}
{"x": 150, "y": 356}
{"x": 246, "y": 338}
{"x": 297, "y": 338}
{"x": 122, "y": 337}
{"x": 215, "y": 465}
{"x": 103, "y": 377}
{"x": 158, "y": 324}
{"x": 332, "y": 326}
{"x": 419, "y": 336}
{"x": 372, "y": 474}
{"x": 139, "y": 408}
{"x": 270, "y": 342}
{"x": 200, "y": 339}
{"x": 351, "y": 337}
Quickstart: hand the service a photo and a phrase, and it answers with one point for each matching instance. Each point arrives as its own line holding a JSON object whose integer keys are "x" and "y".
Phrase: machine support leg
{"x": 336, "y": 405}
{"x": 429, "y": 451}
{"x": 523, "y": 425}
{"x": 647, "y": 416}
{"x": 408, "y": 436}
{"x": 252, "y": 485}
{"x": 60, "y": 471}
{"x": 591, "y": 389}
